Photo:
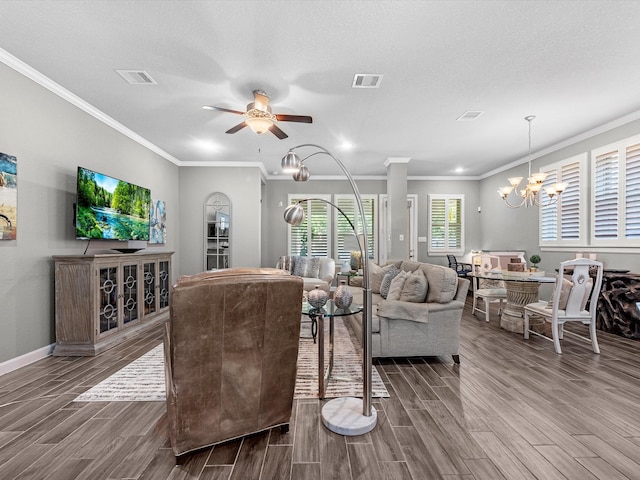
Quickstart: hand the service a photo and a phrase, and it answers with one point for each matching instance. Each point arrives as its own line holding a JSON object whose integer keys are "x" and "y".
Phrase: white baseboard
{"x": 26, "y": 359}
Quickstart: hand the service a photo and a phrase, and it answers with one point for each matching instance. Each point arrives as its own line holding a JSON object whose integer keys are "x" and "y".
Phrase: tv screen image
{"x": 109, "y": 208}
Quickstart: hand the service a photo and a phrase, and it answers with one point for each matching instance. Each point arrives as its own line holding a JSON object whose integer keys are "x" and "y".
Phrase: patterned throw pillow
{"x": 376, "y": 274}
{"x": 308, "y": 267}
{"x": 386, "y": 281}
{"x": 286, "y": 263}
{"x": 397, "y": 284}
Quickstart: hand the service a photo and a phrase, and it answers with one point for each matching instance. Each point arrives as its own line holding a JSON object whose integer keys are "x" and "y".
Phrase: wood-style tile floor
{"x": 512, "y": 410}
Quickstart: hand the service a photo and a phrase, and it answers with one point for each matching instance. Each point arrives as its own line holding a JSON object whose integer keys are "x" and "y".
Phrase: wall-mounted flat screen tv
{"x": 109, "y": 208}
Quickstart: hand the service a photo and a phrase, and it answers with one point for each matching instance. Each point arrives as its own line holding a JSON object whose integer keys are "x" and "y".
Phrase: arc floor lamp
{"x": 346, "y": 416}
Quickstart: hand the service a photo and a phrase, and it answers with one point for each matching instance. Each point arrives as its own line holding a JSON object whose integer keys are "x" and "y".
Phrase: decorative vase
{"x": 317, "y": 297}
{"x": 342, "y": 297}
{"x": 346, "y": 267}
{"x": 356, "y": 262}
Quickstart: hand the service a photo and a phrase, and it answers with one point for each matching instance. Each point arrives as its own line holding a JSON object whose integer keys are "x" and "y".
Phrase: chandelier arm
{"x": 551, "y": 201}
{"x": 522, "y": 203}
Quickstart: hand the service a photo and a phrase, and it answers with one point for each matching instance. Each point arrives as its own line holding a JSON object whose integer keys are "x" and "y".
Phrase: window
{"x": 311, "y": 238}
{"x": 615, "y": 198}
{"x": 446, "y": 224}
{"x": 562, "y": 222}
{"x": 348, "y": 205}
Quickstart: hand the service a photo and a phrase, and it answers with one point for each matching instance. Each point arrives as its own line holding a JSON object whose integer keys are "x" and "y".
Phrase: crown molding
{"x": 618, "y": 122}
{"x": 391, "y": 160}
{"x": 31, "y": 73}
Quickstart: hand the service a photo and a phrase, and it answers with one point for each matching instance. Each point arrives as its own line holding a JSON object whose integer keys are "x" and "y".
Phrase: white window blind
{"x": 615, "y": 200}
{"x": 632, "y": 192}
{"x": 549, "y": 213}
{"x": 563, "y": 221}
{"x": 311, "y": 238}
{"x": 349, "y": 206}
{"x": 446, "y": 224}
{"x": 605, "y": 204}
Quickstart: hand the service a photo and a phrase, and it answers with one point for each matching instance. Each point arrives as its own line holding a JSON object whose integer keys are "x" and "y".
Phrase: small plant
{"x": 535, "y": 260}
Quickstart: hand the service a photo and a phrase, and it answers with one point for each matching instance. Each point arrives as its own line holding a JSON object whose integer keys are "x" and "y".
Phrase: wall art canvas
{"x": 158, "y": 222}
{"x": 8, "y": 196}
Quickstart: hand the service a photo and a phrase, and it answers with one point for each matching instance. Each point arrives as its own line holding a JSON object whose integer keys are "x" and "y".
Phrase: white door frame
{"x": 412, "y": 227}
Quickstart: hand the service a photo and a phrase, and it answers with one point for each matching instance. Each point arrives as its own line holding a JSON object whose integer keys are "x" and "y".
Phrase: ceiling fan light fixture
{"x": 259, "y": 125}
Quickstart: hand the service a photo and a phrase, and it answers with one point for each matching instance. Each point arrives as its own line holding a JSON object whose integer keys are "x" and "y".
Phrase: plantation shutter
{"x": 549, "y": 213}
{"x": 562, "y": 219}
{"x": 606, "y": 196}
{"x": 349, "y": 206}
{"x": 570, "y": 202}
{"x": 454, "y": 224}
{"x": 446, "y": 223}
{"x": 632, "y": 192}
{"x": 310, "y": 238}
{"x": 438, "y": 223}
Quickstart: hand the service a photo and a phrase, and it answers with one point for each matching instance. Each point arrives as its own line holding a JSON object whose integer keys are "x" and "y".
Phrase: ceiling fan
{"x": 259, "y": 116}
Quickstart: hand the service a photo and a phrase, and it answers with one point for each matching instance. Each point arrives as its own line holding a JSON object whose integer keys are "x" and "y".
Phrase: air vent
{"x": 137, "y": 77}
{"x": 367, "y": 80}
{"x": 469, "y": 116}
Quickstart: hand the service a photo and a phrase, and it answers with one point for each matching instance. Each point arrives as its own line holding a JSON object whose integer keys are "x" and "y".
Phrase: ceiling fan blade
{"x": 277, "y": 132}
{"x": 293, "y": 118}
{"x": 261, "y": 100}
{"x": 237, "y": 128}
{"x": 222, "y": 109}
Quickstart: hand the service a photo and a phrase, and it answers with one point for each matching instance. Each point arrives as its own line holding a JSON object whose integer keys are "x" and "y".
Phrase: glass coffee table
{"x": 317, "y": 316}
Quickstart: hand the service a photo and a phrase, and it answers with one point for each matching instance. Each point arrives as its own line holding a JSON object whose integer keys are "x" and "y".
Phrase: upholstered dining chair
{"x": 462, "y": 269}
{"x": 575, "y": 299}
{"x": 231, "y": 349}
{"x": 487, "y": 290}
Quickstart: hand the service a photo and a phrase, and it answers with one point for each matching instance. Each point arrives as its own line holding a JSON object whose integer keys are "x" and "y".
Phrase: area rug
{"x": 143, "y": 379}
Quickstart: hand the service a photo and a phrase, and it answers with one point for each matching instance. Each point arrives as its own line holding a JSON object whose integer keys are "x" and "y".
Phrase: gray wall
{"x": 243, "y": 187}
{"x": 276, "y": 200}
{"x": 51, "y": 137}
{"x": 472, "y": 219}
{"x": 275, "y": 228}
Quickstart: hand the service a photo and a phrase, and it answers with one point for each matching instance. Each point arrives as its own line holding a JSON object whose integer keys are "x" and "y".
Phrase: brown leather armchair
{"x": 231, "y": 348}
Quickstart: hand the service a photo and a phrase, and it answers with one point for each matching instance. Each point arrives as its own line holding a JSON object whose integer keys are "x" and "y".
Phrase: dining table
{"x": 522, "y": 288}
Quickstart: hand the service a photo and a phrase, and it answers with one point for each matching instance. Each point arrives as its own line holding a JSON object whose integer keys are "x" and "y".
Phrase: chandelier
{"x": 531, "y": 193}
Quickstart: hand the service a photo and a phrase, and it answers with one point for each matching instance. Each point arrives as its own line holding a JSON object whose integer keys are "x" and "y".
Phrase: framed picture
{"x": 158, "y": 223}
{"x": 8, "y": 197}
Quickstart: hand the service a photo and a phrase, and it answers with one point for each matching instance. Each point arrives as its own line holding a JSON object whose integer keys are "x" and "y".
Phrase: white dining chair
{"x": 487, "y": 290}
{"x": 575, "y": 299}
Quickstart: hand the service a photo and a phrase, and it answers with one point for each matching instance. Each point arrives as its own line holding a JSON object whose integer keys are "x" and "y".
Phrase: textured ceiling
{"x": 573, "y": 64}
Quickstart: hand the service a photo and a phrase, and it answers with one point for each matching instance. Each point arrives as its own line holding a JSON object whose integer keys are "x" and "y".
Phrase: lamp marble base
{"x": 344, "y": 416}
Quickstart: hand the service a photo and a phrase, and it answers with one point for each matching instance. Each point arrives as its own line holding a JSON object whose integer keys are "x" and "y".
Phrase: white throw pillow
{"x": 415, "y": 288}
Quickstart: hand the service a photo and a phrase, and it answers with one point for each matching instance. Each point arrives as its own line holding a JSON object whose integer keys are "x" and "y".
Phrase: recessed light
{"x": 459, "y": 170}
{"x": 207, "y": 146}
{"x": 345, "y": 145}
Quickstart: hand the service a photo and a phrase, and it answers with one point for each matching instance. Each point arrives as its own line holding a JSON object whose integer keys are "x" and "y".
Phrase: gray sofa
{"x": 413, "y": 328}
